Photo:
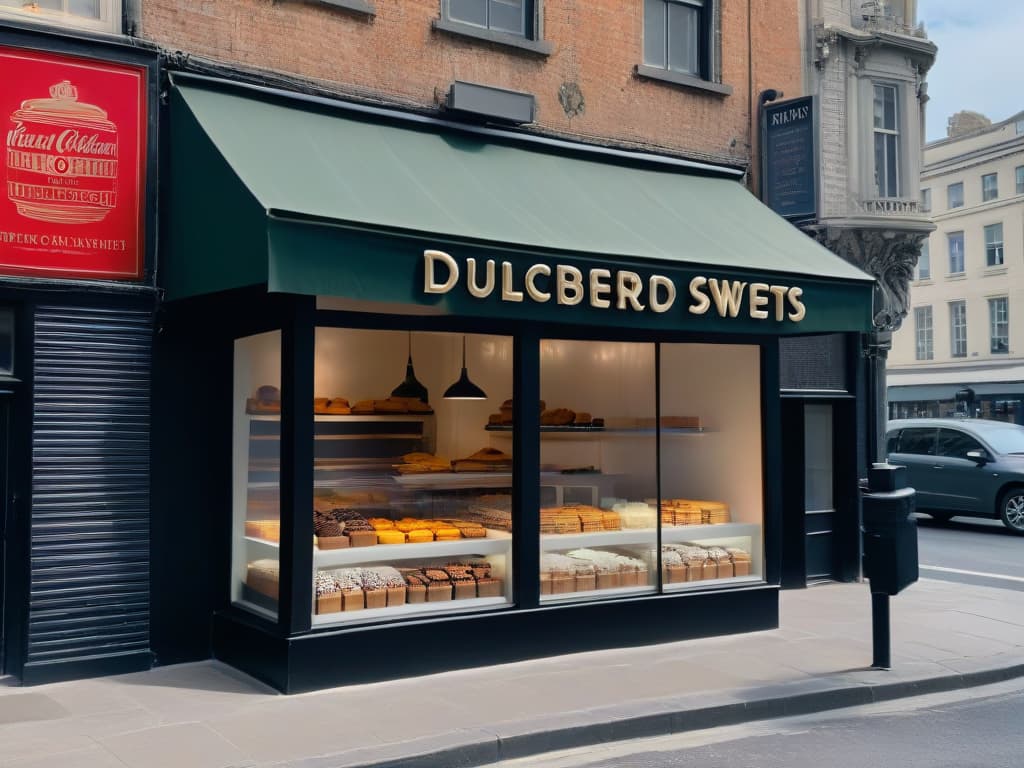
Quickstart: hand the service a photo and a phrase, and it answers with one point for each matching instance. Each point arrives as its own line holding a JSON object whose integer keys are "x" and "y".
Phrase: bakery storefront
{"x": 448, "y": 397}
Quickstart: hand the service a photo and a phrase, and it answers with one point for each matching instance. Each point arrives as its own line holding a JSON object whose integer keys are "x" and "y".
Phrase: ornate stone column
{"x": 890, "y": 257}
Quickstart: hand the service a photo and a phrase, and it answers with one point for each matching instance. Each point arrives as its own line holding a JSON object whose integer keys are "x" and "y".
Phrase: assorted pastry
{"x": 485, "y": 460}
{"x": 691, "y": 562}
{"x": 392, "y": 405}
{"x": 421, "y": 463}
{"x": 583, "y": 570}
{"x": 354, "y": 589}
{"x": 341, "y": 527}
{"x": 268, "y": 400}
{"x": 578, "y": 518}
{"x": 554, "y": 417}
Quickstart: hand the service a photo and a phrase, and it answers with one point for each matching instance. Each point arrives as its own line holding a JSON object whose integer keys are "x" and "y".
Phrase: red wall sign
{"x": 74, "y": 172}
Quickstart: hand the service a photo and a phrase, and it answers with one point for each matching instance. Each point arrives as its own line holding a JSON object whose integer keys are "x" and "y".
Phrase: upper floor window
{"x": 676, "y": 37}
{"x": 923, "y": 332}
{"x": 512, "y": 17}
{"x": 887, "y": 163}
{"x": 989, "y": 187}
{"x": 101, "y": 15}
{"x": 958, "y": 328}
{"x": 926, "y": 200}
{"x": 994, "y": 245}
{"x": 999, "y": 325}
{"x": 1020, "y": 127}
{"x": 955, "y": 195}
{"x": 956, "y": 252}
{"x": 924, "y": 262}
{"x": 1019, "y": 173}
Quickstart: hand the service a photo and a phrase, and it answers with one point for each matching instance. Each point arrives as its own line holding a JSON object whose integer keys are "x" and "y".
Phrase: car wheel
{"x": 1011, "y": 509}
{"x": 941, "y": 517}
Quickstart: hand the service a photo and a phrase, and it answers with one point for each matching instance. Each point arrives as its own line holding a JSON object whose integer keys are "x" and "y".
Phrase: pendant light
{"x": 411, "y": 386}
{"x": 464, "y": 389}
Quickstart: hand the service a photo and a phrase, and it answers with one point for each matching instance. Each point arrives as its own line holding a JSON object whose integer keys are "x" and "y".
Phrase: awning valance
{"x": 306, "y": 198}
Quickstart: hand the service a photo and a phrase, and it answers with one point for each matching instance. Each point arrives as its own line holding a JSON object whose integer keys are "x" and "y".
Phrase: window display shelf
{"x": 572, "y": 433}
{"x": 454, "y": 480}
{"x": 599, "y": 594}
{"x": 496, "y": 542}
{"x": 732, "y": 581}
{"x": 647, "y": 536}
{"x": 408, "y": 610}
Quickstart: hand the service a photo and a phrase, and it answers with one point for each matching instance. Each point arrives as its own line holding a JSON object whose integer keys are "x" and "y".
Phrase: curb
{"x": 496, "y": 748}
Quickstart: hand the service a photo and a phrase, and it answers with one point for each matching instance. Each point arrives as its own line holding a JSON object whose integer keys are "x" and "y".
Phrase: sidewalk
{"x": 207, "y": 715}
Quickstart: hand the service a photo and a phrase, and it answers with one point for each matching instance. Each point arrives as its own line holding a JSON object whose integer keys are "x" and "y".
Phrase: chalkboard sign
{"x": 789, "y": 158}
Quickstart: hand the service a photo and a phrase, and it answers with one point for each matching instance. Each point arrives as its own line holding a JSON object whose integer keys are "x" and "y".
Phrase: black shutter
{"x": 89, "y": 594}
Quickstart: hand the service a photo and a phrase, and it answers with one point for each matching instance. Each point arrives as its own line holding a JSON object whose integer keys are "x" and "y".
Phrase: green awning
{"x": 306, "y": 198}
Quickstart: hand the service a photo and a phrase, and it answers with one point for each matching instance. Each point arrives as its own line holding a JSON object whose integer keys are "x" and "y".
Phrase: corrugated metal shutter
{"x": 89, "y": 591}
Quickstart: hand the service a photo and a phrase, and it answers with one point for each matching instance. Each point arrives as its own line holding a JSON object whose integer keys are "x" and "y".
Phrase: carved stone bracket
{"x": 889, "y": 257}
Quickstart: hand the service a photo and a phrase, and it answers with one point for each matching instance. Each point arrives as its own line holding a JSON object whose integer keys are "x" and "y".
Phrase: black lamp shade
{"x": 411, "y": 387}
{"x": 464, "y": 389}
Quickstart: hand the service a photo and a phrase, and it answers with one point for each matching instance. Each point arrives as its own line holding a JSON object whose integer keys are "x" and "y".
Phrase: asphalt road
{"x": 977, "y": 728}
{"x": 971, "y": 551}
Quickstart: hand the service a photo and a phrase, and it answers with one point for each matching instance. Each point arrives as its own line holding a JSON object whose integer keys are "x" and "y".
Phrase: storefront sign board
{"x": 74, "y": 172}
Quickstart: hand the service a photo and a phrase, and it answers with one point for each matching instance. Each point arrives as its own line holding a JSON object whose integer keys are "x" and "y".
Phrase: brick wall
{"x": 395, "y": 56}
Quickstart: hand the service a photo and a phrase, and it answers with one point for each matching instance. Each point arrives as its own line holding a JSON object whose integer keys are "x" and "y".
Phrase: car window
{"x": 1007, "y": 438}
{"x": 892, "y": 442}
{"x": 954, "y": 443}
{"x": 917, "y": 440}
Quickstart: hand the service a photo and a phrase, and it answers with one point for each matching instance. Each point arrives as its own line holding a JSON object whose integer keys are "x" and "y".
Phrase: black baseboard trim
{"x": 42, "y": 672}
{"x": 324, "y": 659}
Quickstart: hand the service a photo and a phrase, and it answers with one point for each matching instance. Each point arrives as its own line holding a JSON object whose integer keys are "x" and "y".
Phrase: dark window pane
{"x": 890, "y": 108}
{"x": 919, "y": 441}
{"x": 655, "y": 33}
{"x": 468, "y": 11}
{"x": 507, "y": 16}
{"x": 880, "y": 164}
{"x": 956, "y": 444}
{"x": 683, "y": 39}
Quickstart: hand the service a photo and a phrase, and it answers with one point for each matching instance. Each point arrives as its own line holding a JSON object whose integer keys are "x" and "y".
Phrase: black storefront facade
{"x": 619, "y": 317}
{"x": 78, "y": 296}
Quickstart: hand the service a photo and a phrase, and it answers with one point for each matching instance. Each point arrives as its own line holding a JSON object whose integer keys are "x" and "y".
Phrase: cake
{"x": 464, "y": 589}
{"x": 489, "y": 587}
{"x": 439, "y": 590}
{"x": 328, "y": 594}
{"x": 268, "y": 530}
{"x": 263, "y": 576}
{"x": 381, "y": 524}
{"x": 390, "y": 537}
{"x": 557, "y": 417}
{"x": 419, "y": 535}
{"x": 361, "y": 538}
{"x": 485, "y": 460}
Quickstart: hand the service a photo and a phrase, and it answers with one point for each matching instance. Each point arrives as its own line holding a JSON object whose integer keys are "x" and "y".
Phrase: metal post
{"x": 880, "y": 641}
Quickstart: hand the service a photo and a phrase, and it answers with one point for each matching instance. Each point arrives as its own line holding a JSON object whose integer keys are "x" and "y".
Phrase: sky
{"x": 980, "y": 64}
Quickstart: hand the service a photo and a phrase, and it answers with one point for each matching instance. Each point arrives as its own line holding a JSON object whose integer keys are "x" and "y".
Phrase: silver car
{"x": 969, "y": 467}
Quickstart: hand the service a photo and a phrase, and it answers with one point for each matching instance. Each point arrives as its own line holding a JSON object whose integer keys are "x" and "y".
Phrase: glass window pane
{"x": 890, "y": 108}
{"x": 87, "y": 8}
{"x": 1019, "y": 173}
{"x": 956, "y": 252}
{"x": 598, "y": 483}
{"x": 955, "y": 194}
{"x": 256, "y": 458}
{"x": 684, "y": 38}
{"x": 879, "y": 107}
{"x": 989, "y": 186}
{"x": 880, "y": 164}
{"x": 924, "y": 262}
{"x": 999, "y": 326}
{"x": 818, "y": 483}
{"x": 412, "y": 499}
{"x": 705, "y": 509}
{"x": 655, "y": 33}
{"x": 891, "y": 170}
{"x": 958, "y": 328}
{"x": 508, "y": 16}
{"x": 918, "y": 440}
{"x": 468, "y": 11}
{"x": 923, "y": 332}
{"x": 926, "y": 201}
{"x": 956, "y": 444}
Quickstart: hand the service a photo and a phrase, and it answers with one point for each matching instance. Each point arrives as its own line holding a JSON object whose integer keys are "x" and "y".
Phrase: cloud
{"x": 980, "y": 64}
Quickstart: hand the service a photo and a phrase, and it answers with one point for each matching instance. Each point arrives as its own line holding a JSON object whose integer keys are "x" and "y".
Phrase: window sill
{"x": 924, "y": 281}
{"x": 686, "y": 81}
{"x": 539, "y": 47}
{"x": 356, "y": 6}
{"x": 999, "y": 269}
{"x": 957, "y": 276}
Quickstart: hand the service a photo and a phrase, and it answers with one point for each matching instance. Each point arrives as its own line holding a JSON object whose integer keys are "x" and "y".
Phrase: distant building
{"x": 965, "y": 333}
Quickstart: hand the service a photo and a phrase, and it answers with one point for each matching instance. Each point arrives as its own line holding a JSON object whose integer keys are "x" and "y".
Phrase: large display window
{"x": 650, "y": 471}
{"x": 412, "y": 508}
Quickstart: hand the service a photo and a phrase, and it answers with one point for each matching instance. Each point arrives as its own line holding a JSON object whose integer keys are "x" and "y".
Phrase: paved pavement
{"x": 206, "y": 715}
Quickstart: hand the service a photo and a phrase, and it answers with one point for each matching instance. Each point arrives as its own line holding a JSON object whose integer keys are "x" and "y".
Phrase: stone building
{"x": 965, "y": 326}
{"x": 866, "y": 61}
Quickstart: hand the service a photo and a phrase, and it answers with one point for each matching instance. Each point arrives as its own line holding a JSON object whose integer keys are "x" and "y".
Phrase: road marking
{"x": 971, "y": 573}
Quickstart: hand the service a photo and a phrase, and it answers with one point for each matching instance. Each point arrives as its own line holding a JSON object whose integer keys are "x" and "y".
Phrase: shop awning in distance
{"x": 305, "y": 197}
